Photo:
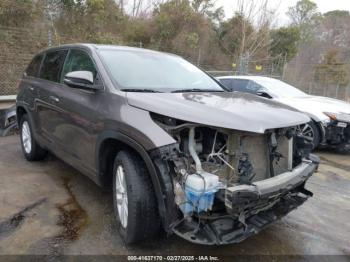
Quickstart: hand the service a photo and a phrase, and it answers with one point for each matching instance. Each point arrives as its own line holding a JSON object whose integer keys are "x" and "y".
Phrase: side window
{"x": 253, "y": 87}
{"x": 227, "y": 83}
{"x": 52, "y": 65}
{"x": 240, "y": 85}
{"x": 78, "y": 60}
{"x": 34, "y": 66}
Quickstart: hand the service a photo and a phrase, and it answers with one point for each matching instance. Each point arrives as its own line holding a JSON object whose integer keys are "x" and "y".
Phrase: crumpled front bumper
{"x": 336, "y": 134}
{"x": 250, "y": 208}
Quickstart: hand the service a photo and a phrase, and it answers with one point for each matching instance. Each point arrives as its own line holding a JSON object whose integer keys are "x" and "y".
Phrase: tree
{"x": 207, "y": 7}
{"x": 18, "y": 12}
{"x": 285, "y": 42}
{"x": 331, "y": 70}
{"x": 303, "y": 12}
{"x": 337, "y": 13}
{"x": 181, "y": 28}
{"x": 305, "y": 15}
{"x": 232, "y": 35}
{"x": 246, "y": 36}
{"x": 93, "y": 20}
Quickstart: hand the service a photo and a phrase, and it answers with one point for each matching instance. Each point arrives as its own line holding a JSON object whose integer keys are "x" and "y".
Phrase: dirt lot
{"x": 49, "y": 208}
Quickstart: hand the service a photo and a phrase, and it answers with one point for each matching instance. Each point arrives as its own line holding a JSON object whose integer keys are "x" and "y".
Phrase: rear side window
{"x": 240, "y": 85}
{"x": 227, "y": 83}
{"x": 52, "y": 65}
{"x": 34, "y": 66}
{"x": 254, "y": 87}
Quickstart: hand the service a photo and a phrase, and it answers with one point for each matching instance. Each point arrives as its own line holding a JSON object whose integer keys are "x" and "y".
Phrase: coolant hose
{"x": 191, "y": 148}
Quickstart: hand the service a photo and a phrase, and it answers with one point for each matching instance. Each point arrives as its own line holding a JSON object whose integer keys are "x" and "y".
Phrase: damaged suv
{"x": 180, "y": 153}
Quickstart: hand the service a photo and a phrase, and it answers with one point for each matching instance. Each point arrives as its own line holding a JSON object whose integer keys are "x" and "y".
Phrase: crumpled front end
{"x": 226, "y": 185}
{"x": 250, "y": 208}
{"x": 336, "y": 132}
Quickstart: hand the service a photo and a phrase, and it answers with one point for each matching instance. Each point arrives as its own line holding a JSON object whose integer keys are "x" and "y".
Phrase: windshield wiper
{"x": 196, "y": 90}
{"x": 141, "y": 90}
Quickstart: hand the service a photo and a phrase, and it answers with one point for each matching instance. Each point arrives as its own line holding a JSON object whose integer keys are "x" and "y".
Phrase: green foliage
{"x": 104, "y": 38}
{"x": 192, "y": 40}
{"x": 88, "y": 21}
{"x": 170, "y": 18}
{"x": 202, "y": 6}
{"x": 331, "y": 70}
{"x": 182, "y": 27}
{"x": 304, "y": 15}
{"x": 138, "y": 30}
{"x": 195, "y": 29}
{"x": 337, "y": 13}
{"x": 230, "y": 34}
{"x": 284, "y": 42}
{"x": 18, "y": 12}
{"x": 303, "y": 12}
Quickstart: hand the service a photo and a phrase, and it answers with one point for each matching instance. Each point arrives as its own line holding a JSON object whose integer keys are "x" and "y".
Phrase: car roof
{"x": 103, "y": 47}
{"x": 246, "y": 77}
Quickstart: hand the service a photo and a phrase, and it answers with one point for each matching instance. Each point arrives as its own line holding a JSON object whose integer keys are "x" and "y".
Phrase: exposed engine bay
{"x": 221, "y": 178}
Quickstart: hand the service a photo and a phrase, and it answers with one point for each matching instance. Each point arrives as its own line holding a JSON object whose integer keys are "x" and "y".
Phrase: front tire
{"x": 135, "y": 204}
{"x": 311, "y": 132}
{"x": 30, "y": 148}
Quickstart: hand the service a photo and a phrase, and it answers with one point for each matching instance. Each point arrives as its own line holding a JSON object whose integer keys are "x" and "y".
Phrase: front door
{"x": 80, "y": 121}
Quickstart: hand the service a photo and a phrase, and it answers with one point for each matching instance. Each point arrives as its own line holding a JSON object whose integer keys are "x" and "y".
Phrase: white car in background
{"x": 331, "y": 117}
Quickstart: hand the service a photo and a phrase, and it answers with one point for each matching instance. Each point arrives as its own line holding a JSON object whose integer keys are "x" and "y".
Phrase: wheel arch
{"x": 321, "y": 129}
{"x": 108, "y": 144}
{"x": 20, "y": 112}
{"x": 318, "y": 123}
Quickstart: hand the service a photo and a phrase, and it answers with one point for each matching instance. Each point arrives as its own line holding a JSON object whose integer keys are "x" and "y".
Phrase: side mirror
{"x": 263, "y": 94}
{"x": 81, "y": 79}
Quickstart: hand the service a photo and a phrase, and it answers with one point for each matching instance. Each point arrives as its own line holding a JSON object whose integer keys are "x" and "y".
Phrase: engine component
{"x": 245, "y": 169}
{"x": 192, "y": 150}
{"x": 200, "y": 191}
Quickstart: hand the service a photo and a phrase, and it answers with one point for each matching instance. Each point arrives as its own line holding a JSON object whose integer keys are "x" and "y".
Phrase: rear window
{"x": 34, "y": 66}
{"x": 52, "y": 65}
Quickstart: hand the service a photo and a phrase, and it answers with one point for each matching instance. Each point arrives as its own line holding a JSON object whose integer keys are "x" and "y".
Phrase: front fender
{"x": 157, "y": 182}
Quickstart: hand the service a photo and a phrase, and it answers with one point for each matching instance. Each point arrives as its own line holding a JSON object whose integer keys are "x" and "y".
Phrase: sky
{"x": 282, "y": 7}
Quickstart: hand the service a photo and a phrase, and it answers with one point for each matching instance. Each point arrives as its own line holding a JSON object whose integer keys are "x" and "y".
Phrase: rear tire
{"x": 134, "y": 196}
{"x": 31, "y": 150}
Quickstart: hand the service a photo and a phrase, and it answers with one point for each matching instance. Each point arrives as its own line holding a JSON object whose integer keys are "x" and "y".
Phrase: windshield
{"x": 146, "y": 70}
{"x": 280, "y": 89}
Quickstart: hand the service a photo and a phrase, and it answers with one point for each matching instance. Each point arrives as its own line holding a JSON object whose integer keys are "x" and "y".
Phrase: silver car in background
{"x": 330, "y": 125}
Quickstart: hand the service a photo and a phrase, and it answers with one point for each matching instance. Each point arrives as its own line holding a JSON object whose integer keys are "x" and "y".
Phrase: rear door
{"x": 48, "y": 109}
{"x": 30, "y": 86}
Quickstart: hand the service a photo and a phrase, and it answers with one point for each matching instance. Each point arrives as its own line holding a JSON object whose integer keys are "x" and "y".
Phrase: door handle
{"x": 55, "y": 99}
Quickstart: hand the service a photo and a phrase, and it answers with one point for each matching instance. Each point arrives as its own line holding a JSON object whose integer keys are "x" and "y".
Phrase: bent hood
{"x": 314, "y": 106}
{"x": 237, "y": 111}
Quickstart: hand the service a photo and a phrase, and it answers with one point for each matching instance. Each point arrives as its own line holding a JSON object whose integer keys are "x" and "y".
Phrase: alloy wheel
{"x": 307, "y": 131}
{"x": 26, "y": 137}
{"x": 122, "y": 196}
